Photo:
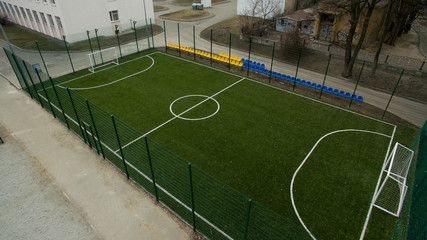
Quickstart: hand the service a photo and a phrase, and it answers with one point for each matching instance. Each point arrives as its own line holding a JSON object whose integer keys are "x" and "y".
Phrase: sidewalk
{"x": 114, "y": 206}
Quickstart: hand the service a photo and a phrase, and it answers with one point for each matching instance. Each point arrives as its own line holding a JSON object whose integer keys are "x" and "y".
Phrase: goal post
{"x": 101, "y": 58}
{"x": 391, "y": 194}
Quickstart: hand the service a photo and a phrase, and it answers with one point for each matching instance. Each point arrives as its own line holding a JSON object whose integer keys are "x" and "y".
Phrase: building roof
{"x": 301, "y": 15}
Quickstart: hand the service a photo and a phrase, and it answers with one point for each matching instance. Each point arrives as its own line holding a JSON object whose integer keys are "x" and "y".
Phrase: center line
{"x": 170, "y": 120}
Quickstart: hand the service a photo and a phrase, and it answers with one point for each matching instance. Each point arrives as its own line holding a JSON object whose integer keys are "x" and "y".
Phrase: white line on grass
{"x": 308, "y": 155}
{"x": 177, "y": 116}
{"x": 116, "y": 81}
{"x": 146, "y": 177}
{"x": 105, "y": 69}
{"x": 280, "y": 89}
{"x": 365, "y": 226}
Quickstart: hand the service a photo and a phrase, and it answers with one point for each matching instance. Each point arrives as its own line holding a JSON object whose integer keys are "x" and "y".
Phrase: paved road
{"x": 58, "y": 63}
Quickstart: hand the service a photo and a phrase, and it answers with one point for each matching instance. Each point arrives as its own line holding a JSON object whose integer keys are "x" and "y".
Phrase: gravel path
{"x": 32, "y": 206}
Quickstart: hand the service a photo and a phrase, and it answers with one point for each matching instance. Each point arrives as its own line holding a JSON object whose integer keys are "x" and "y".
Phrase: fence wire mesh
{"x": 210, "y": 206}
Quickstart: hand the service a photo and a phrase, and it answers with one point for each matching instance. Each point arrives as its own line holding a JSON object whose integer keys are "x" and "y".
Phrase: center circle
{"x": 207, "y": 98}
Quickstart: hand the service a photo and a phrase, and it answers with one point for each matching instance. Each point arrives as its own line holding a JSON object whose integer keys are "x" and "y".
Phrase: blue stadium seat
{"x": 288, "y": 78}
{"x": 265, "y": 71}
{"x": 283, "y": 76}
{"x": 335, "y": 91}
{"x": 303, "y": 82}
{"x": 242, "y": 60}
{"x": 319, "y": 86}
{"x": 298, "y": 81}
{"x": 308, "y": 83}
{"x": 262, "y": 65}
{"x": 258, "y": 64}
{"x": 341, "y": 93}
{"x": 330, "y": 90}
{"x": 250, "y": 62}
{"x": 274, "y": 74}
{"x": 347, "y": 95}
{"x": 245, "y": 66}
{"x": 359, "y": 99}
{"x": 279, "y": 75}
{"x": 354, "y": 97}
{"x": 325, "y": 88}
{"x": 313, "y": 85}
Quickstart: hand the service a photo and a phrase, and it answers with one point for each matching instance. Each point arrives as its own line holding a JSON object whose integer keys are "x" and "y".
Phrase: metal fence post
{"x": 77, "y": 115}
{"x": 249, "y": 56}
{"x": 136, "y": 37}
{"x": 99, "y": 45}
{"x": 90, "y": 46}
{"x": 118, "y": 40}
{"x": 152, "y": 33}
{"x": 357, "y": 83}
{"x": 23, "y": 76}
{"x": 229, "y": 54}
{"x": 248, "y": 214}
{"x": 68, "y": 52}
{"x": 96, "y": 130}
{"x": 151, "y": 169}
{"x": 296, "y": 73}
{"x": 422, "y": 65}
{"x": 59, "y": 102}
{"x": 14, "y": 70}
{"x": 194, "y": 42}
{"x": 41, "y": 56}
{"x": 120, "y": 146}
{"x": 179, "y": 41}
{"x": 164, "y": 32}
{"x": 192, "y": 196}
{"x": 326, "y": 74}
{"x": 211, "y": 47}
{"x": 94, "y": 140}
{"x": 146, "y": 24}
{"x": 392, "y": 94}
{"x": 87, "y": 135}
{"x": 32, "y": 82}
{"x": 44, "y": 90}
{"x": 272, "y": 59}
{"x": 386, "y": 59}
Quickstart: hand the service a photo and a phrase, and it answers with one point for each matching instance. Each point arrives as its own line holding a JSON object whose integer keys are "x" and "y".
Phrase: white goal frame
{"x": 397, "y": 168}
{"x": 112, "y": 58}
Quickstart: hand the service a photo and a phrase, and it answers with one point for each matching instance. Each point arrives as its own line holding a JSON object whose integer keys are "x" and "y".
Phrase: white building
{"x": 72, "y": 18}
{"x": 269, "y": 8}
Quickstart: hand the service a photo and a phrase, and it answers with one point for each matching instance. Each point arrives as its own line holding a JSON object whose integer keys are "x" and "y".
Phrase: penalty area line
{"x": 177, "y": 116}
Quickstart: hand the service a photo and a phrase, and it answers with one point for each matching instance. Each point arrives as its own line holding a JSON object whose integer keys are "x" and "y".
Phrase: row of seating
{"x": 257, "y": 67}
{"x": 222, "y": 57}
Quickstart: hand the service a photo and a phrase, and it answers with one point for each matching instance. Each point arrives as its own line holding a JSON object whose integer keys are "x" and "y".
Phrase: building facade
{"x": 72, "y": 18}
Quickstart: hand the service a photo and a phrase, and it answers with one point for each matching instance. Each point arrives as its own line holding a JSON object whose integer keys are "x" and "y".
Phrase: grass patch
{"x": 186, "y": 14}
{"x": 255, "y": 142}
{"x": 159, "y": 8}
{"x": 25, "y": 38}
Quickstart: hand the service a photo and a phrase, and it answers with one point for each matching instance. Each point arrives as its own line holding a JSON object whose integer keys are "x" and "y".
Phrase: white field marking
{"x": 113, "y": 82}
{"x": 194, "y": 119}
{"x": 145, "y": 176}
{"x": 176, "y": 116}
{"x": 305, "y": 159}
{"x": 362, "y": 235}
{"x": 280, "y": 89}
{"x": 105, "y": 69}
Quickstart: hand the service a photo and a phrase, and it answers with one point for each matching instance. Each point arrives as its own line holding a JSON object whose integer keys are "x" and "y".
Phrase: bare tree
{"x": 259, "y": 9}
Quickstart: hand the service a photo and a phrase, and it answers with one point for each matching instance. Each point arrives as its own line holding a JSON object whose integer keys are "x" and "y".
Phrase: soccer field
{"x": 313, "y": 163}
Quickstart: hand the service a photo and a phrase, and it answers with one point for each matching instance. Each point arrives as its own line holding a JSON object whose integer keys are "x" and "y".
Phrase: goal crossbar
{"x": 102, "y": 58}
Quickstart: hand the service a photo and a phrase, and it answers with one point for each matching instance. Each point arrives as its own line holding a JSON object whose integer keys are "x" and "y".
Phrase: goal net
{"x": 101, "y": 58}
{"x": 391, "y": 194}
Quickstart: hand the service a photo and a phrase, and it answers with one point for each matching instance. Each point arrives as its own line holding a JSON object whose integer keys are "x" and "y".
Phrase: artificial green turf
{"x": 257, "y": 139}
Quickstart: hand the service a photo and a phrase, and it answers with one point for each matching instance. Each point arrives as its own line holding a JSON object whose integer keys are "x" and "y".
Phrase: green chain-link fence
{"x": 412, "y": 224}
{"x": 208, "y": 205}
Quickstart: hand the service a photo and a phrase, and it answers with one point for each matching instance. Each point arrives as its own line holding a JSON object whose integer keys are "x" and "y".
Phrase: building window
{"x": 114, "y": 15}
{"x": 49, "y": 17}
{"x": 36, "y": 16}
{"x": 58, "y": 22}
{"x": 29, "y": 14}
{"x": 43, "y": 18}
{"x": 2, "y": 8}
{"x": 52, "y": 2}
{"x": 44, "y": 1}
{"x": 37, "y": 1}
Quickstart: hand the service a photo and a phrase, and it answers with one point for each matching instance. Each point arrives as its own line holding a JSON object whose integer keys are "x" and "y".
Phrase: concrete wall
{"x": 78, "y": 16}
